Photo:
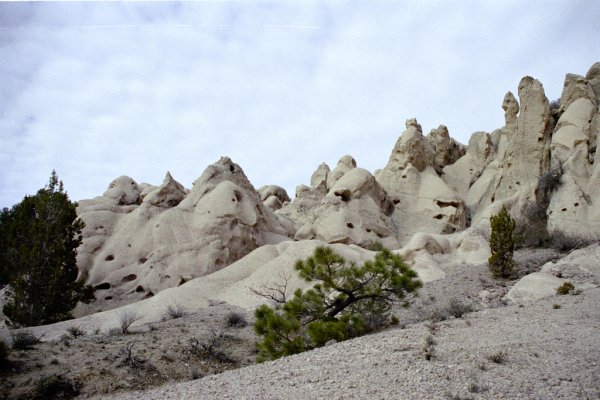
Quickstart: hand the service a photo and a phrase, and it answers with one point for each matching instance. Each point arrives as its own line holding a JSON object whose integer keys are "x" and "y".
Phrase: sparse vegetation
{"x": 75, "y": 331}
{"x": 126, "y": 319}
{"x": 503, "y": 240}
{"x": 349, "y": 301}
{"x": 429, "y": 347}
{"x": 236, "y": 319}
{"x": 555, "y": 306}
{"x": 175, "y": 310}
{"x": 210, "y": 347}
{"x": 567, "y": 288}
{"x": 55, "y": 387}
{"x": 498, "y": 357}
{"x": 24, "y": 340}
{"x": 457, "y": 308}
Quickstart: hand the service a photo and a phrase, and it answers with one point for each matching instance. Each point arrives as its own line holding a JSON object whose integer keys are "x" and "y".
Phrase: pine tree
{"x": 348, "y": 301}
{"x": 39, "y": 238}
{"x": 503, "y": 240}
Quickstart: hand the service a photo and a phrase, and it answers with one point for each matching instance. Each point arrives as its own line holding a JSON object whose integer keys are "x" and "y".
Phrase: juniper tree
{"x": 348, "y": 301}
{"x": 503, "y": 240}
{"x": 39, "y": 239}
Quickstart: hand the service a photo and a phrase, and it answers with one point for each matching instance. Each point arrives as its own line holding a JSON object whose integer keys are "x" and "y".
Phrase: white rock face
{"x": 572, "y": 208}
{"x": 423, "y": 201}
{"x": 134, "y": 251}
{"x": 355, "y": 209}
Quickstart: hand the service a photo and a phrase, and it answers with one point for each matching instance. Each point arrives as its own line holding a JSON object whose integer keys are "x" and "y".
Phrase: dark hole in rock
{"x": 493, "y": 199}
{"x": 129, "y": 278}
{"x": 349, "y": 225}
{"x": 167, "y": 276}
{"x": 109, "y": 257}
{"x": 345, "y": 195}
{"x": 439, "y": 216}
{"x": 102, "y": 286}
{"x": 576, "y": 204}
{"x": 368, "y": 230}
{"x": 139, "y": 289}
{"x": 149, "y": 294}
{"x": 142, "y": 260}
{"x": 564, "y": 209}
{"x": 231, "y": 168}
{"x": 108, "y": 298}
{"x": 403, "y": 176}
{"x": 181, "y": 282}
{"x": 101, "y": 227}
{"x": 443, "y": 204}
{"x": 396, "y": 201}
{"x": 128, "y": 244}
{"x": 238, "y": 196}
{"x": 518, "y": 183}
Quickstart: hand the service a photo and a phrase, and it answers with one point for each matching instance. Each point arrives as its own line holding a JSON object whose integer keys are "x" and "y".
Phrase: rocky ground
{"x": 545, "y": 349}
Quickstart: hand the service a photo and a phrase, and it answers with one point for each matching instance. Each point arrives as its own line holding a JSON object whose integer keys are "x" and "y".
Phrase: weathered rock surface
{"x": 131, "y": 251}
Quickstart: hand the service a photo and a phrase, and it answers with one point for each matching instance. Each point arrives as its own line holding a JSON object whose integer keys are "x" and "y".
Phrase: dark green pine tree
{"x": 349, "y": 300}
{"x": 503, "y": 240}
{"x": 39, "y": 237}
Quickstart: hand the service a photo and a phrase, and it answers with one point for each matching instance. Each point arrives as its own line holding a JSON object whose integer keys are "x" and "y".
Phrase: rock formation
{"x": 141, "y": 239}
{"x": 132, "y": 250}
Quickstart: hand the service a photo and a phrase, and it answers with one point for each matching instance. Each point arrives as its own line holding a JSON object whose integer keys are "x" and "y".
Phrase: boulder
{"x": 167, "y": 195}
{"x": 535, "y": 286}
{"x": 345, "y": 164}
{"x": 124, "y": 191}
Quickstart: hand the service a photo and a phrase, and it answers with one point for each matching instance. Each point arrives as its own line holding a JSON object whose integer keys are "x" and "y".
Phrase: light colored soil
{"x": 543, "y": 352}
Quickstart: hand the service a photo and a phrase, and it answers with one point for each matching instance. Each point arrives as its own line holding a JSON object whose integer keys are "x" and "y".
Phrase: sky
{"x": 96, "y": 90}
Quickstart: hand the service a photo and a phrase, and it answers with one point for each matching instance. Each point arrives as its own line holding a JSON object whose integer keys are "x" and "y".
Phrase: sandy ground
{"x": 548, "y": 349}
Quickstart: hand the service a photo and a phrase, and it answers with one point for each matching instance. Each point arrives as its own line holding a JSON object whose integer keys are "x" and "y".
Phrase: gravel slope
{"x": 549, "y": 353}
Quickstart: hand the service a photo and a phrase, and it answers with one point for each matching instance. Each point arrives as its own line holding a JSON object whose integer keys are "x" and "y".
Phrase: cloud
{"x": 98, "y": 90}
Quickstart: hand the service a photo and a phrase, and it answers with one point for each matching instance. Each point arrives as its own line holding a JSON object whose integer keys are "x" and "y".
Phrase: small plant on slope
{"x": 503, "y": 240}
{"x": 348, "y": 301}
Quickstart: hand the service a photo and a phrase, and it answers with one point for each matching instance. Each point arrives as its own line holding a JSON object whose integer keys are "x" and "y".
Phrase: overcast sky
{"x": 99, "y": 90}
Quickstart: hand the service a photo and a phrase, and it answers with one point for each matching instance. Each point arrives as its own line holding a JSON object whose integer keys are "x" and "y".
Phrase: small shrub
{"x": 24, "y": 341}
{"x": 236, "y": 320}
{"x": 457, "y": 308}
{"x": 126, "y": 319}
{"x": 210, "y": 347}
{"x": 550, "y": 181}
{"x": 375, "y": 246}
{"x": 75, "y": 332}
{"x": 175, "y": 311}
{"x": 503, "y": 240}
{"x": 555, "y": 306}
{"x": 394, "y": 320}
{"x": 429, "y": 347}
{"x": 54, "y": 387}
{"x": 565, "y": 288}
{"x": 498, "y": 357}
{"x": 555, "y": 105}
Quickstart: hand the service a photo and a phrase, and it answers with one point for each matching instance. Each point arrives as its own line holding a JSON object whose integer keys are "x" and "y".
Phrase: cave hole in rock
{"x": 438, "y": 216}
{"x": 142, "y": 260}
{"x": 368, "y": 230}
{"x": 108, "y": 298}
{"x": 396, "y": 201}
{"x": 139, "y": 289}
{"x": 149, "y": 294}
{"x": 109, "y": 257}
{"x": 345, "y": 195}
{"x": 576, "y": 204}
{"x": 350, "y": 225}
{"x": 563, "y": 210}
{"x": 102, "y": 286}
{"x": 129, "y": 278}
{"x": 231, "y": 168}
{"x": 238, "y": 196}
{"x": 403, "y": 176}
{"x": 181, "y": 282}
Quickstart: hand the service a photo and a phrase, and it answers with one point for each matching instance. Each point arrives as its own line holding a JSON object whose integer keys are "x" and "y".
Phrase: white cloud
{"x": 97, "y": 90}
